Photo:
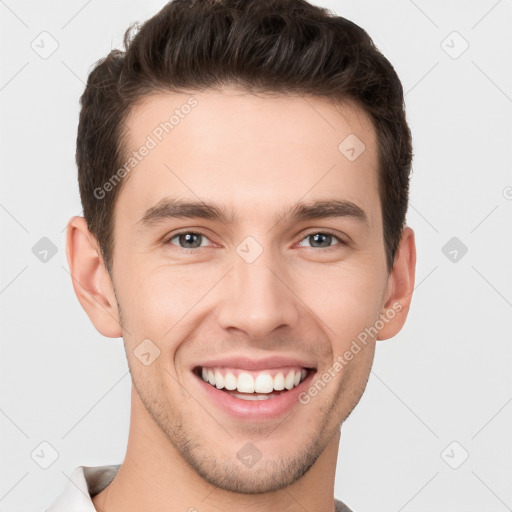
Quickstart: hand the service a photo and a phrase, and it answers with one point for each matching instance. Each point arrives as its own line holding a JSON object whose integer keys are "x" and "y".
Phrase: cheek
{"x": 152, "y": 304}
{"x": 165, "y": 302}
{"x": 346, "y": 300}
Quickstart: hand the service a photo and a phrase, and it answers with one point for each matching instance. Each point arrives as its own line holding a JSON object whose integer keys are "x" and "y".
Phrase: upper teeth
{"x": 254, "y": 382}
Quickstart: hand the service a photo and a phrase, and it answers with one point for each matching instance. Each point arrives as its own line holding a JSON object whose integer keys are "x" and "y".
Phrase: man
{"x": 244, "y": 172}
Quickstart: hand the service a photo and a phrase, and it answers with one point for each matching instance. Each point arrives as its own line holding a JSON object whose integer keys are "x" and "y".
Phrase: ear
{"x": 400, "y": 286}
{"x": 91, "y": 280}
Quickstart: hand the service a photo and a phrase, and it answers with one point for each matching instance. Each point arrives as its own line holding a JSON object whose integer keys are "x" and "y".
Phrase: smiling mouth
{"x": 253, "y": 385}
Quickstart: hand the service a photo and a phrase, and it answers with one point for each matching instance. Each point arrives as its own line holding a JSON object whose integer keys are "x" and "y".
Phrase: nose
{"x": 258, "y": 298}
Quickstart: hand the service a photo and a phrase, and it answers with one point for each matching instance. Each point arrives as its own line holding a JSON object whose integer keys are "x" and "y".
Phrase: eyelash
{"x": 193, "y": 251}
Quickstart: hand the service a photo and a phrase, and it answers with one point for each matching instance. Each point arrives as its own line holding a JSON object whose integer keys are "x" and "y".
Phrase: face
{"x": 265, "y": 283}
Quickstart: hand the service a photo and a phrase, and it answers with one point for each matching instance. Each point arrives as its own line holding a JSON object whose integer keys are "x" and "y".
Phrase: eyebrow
{"x": 174, "y": 208}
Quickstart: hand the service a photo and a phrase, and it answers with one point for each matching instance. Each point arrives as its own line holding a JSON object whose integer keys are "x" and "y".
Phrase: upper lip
{"x": 244, "y": 362}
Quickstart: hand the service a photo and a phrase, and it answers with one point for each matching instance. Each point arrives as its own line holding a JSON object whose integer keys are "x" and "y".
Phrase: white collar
{"x": 84, "y": 483}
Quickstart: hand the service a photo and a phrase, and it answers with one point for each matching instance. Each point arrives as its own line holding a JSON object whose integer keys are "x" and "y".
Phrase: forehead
{"x": 252, "y": 153}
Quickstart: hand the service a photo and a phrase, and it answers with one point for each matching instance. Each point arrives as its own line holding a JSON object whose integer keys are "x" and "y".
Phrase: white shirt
{"x": 87, "y": 481}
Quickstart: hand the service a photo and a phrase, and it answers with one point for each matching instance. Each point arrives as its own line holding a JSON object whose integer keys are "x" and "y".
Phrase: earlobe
{"x": 91, "y": 280}
{"x": 400, "y": 286}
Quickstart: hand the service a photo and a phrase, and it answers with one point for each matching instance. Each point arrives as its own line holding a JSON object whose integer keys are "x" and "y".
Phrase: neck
{"x": 154, "y": 476}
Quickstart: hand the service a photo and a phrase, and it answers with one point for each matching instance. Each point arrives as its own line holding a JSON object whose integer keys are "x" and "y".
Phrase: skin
{"x": 257, "y": 156}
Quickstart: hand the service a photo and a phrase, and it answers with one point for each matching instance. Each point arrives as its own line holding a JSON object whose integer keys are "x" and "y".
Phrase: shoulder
{"x": 341, "y": 507}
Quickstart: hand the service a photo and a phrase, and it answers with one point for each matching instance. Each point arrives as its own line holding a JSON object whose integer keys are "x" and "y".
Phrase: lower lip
{"x": 265, "y": 409}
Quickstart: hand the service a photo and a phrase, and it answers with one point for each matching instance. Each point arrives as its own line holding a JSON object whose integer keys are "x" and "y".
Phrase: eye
{"x": 322, "y": 240}
{"x": 188, "y": 240}
{"x": 191, "y": 240}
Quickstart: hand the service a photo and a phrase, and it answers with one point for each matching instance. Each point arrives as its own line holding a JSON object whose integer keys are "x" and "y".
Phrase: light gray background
{"x": 446, "y": 377}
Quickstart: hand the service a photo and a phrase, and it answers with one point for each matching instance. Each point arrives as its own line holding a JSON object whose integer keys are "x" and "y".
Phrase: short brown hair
{"x": 274, "y": 46}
